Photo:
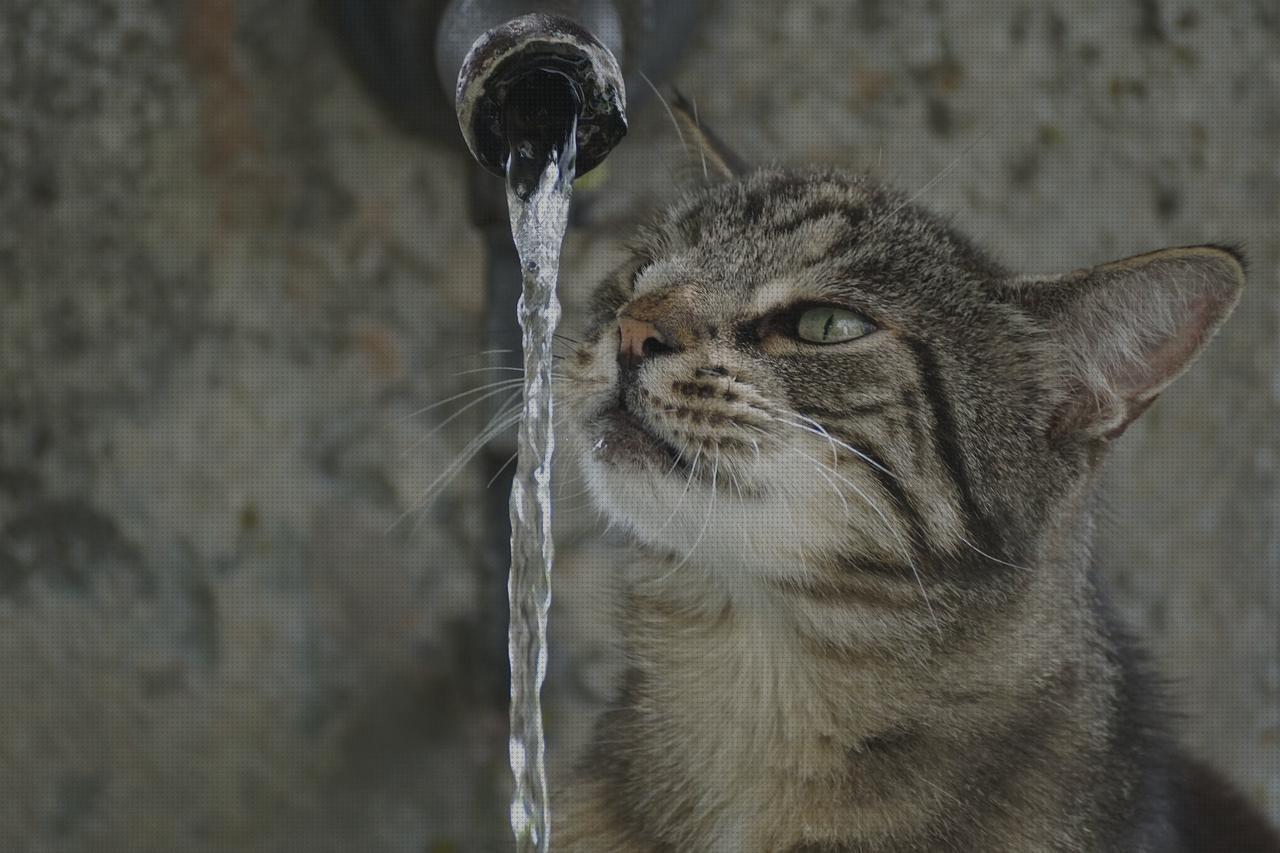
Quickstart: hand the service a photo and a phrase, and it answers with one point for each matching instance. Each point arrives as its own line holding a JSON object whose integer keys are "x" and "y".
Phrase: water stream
{"x": 539, "y": 184}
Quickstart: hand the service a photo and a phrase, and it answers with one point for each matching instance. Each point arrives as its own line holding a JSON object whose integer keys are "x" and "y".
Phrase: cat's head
{"x": 803, "y": 378}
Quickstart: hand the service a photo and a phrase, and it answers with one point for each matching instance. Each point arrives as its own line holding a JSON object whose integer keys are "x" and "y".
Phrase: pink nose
{"x": 638, "y": 340}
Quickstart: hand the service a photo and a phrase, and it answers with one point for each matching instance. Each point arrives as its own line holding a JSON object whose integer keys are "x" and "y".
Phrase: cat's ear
{"x": 716, "y": 161}
{"x": 1125, "y": 330}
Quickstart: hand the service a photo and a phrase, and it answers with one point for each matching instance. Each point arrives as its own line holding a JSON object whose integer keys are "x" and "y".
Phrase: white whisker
{"x": 497, "y": 425}
{"x": 502, "y": 387}
{"x": 995, "y": 559}
{"x": 822, "y": 471}
{"x": 821, "y": 432}
{"x": 665, "y": 105}
{"x": 701, "y": 150}
{"x": 924, "y": 189}
{"x": 506, "y": 367}
{"x": 503, "y": 467}
{"x": 502, "y": 383}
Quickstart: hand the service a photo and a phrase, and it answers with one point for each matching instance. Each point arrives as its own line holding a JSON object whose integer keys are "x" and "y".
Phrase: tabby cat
{"x": 858, "y": 460}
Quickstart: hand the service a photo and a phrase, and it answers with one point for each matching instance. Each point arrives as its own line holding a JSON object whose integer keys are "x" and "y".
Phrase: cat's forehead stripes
{"x": 823, "y": 232}
{"x": 804, "y": 221}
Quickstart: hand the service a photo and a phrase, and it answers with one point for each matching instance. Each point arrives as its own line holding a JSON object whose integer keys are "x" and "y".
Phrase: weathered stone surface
{"x": 228, "y": 287}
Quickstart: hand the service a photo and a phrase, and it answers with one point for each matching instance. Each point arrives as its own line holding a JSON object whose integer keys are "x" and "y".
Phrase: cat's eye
{"x": 830, "y": 325}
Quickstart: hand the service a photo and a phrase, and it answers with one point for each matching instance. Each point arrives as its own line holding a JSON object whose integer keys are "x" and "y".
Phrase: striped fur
{"x": 861, "y": 615}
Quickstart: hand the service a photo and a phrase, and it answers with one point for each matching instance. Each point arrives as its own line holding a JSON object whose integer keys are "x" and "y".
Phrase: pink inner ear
{"x": 1140, "y": 383}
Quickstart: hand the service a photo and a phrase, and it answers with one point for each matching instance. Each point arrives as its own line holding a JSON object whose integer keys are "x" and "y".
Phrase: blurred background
{"x": 230, "y": 282}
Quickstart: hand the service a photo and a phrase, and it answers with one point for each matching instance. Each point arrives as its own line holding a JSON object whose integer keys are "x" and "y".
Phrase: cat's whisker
{"x": 476, "y": 354}
{"x": 506, "y": 367}
{"x": 487, "y": 386}
{"x": 666, "y": 105}
{"x": 821, "y": 469}
{"x": 494, "y": 388}
{"x": 702, "y": 152}
{"x": 994, "y": 559}
{"x": 573, "y": 496}
{"x": 711, "y": 504}
{"x": 560, "y": 383}
{"x": 942, "y": 174}
{"x": 473, "y": 447}
{"x": 503, "y": 467}
{"x": 502, "y": 386}
{"x": 822, "y": 432}
{"x": 737, "y": 487}
{"x": 509, "y": 414}
{"x": 676, "y": 462}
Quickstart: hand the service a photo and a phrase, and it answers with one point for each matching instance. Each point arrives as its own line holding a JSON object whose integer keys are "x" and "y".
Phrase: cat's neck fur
{"x": 756, "y": 738}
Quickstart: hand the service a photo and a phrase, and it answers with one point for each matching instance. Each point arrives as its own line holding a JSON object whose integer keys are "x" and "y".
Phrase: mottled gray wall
{"x": 227, "y": 285}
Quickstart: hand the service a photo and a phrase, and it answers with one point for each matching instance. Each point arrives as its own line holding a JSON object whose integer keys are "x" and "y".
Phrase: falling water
{"x": 539, "y": 184}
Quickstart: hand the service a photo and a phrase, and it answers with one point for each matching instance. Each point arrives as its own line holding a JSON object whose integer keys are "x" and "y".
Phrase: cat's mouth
{"x": 624, "y": 438}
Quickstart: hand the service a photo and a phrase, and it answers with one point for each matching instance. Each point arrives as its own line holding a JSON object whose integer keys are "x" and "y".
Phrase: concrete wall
{"x": 227, "y": 284}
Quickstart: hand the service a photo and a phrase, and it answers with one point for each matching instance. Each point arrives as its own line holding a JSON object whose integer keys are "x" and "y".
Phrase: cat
{"x": 858, "y": 461}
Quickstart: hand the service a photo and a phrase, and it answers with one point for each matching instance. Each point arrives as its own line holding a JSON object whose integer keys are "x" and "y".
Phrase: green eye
{"x": 832, "y": 326}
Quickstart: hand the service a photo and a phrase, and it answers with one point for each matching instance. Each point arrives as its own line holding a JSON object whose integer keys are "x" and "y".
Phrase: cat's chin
{"x": 623, "y": 440}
